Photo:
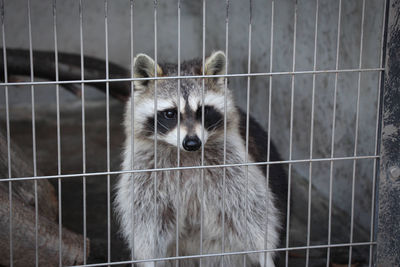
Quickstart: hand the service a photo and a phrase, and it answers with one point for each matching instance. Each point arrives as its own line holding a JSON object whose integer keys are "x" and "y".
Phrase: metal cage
{"x": 381, "y": 245}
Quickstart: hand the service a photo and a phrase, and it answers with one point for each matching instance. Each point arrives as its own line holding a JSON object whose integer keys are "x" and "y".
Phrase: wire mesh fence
{"x": 43, "y": 241}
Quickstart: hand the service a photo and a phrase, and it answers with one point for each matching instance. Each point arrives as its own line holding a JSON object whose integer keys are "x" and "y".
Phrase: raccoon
{"x": 242, "y": 207}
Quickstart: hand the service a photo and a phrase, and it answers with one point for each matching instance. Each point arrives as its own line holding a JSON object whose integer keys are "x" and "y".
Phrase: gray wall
{"x": 16, "y": 23}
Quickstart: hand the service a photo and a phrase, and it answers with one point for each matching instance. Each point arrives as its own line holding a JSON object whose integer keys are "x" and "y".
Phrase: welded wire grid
{"x": 270, "y": 74}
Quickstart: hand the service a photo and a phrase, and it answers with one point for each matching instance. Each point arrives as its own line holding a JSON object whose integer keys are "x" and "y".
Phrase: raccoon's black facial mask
{"x": 166, "y": 121}
{"x": 213, "y": 119}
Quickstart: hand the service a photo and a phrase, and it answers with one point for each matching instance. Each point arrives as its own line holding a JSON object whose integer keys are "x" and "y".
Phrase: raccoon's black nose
{"x": 191, "y": 143}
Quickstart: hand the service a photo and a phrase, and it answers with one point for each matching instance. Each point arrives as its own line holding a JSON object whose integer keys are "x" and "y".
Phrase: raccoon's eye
{"x": 170, "y": 114}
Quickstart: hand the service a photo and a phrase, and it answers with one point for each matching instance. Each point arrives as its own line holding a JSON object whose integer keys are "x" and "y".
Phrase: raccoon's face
{"x": 186, "y": 119}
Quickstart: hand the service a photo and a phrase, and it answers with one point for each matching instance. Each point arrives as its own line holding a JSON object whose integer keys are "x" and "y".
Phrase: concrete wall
{"x": 16, "y": 24}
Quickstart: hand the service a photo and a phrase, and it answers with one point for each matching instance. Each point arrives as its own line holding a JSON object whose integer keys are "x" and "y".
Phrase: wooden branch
{"x": 23, "y": 218}
{"x": 69, "y": 67}
{"x": 24, "y": 241}
{"x": 47, "y": 200}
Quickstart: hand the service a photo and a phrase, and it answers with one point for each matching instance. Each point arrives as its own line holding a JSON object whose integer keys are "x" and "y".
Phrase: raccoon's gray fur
{"x": 148, "y": 203}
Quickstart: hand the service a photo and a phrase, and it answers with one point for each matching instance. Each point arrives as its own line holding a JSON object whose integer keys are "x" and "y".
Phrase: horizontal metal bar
{"x": 188, "y": 168}
{"x": 191, "y": 77}
{"x": 231, "y": 253}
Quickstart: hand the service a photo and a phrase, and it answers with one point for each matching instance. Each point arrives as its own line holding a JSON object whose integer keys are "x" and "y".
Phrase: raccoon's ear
{"x": 215, "y": 64}
{"x": 143, "y": 67}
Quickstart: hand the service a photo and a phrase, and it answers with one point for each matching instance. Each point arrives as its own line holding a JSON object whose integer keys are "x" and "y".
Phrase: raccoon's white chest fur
{"x": 150, "y": 204}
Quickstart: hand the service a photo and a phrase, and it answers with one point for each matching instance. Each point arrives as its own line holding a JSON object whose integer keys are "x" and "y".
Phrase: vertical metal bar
{"x": 247, "y": 130}
{"x": 388, "y": 237}
{"x": 108, "y": 134}
{"x": 356, "y": 137}
{"x": 328, "y": 254}
{"x": 291, "y": 136}
{"x": 83, "y": 131}
{"x": 8, "y": 132}
{"x": 225, "y": 125}
{"x": 269, "y": 126}
{"x": 312, "y": 135}
{"x": 33, "y": 134}
{"x": 377, "y": 136}
{"x": 132, "y": 5}
{"x": 58, "y": 133}
{"x": 155, "y": 125}
{"x": 178, "y": 151}
{"x": 202, "y": 135}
